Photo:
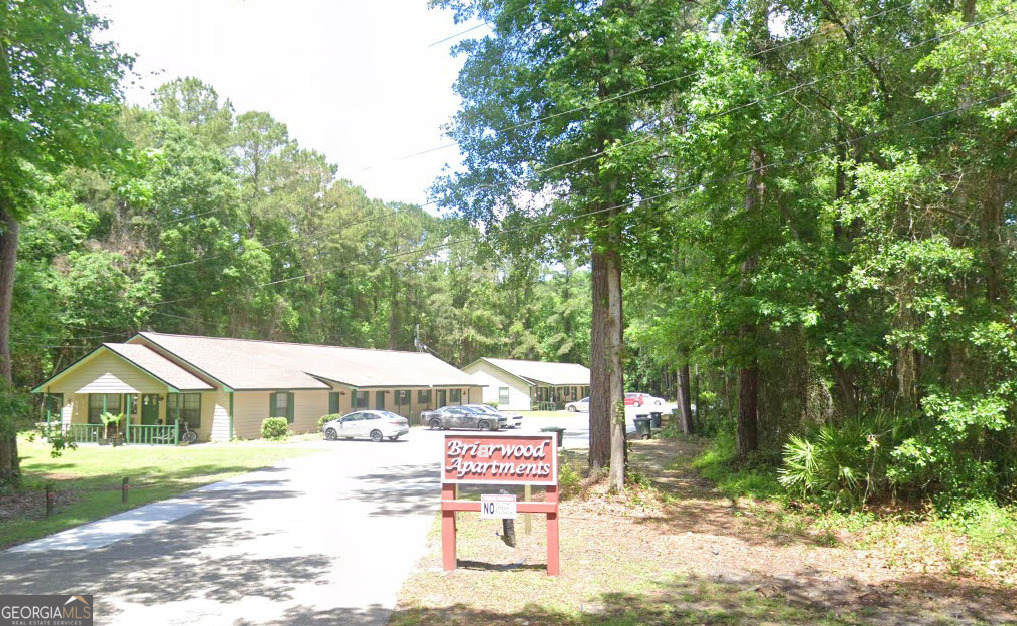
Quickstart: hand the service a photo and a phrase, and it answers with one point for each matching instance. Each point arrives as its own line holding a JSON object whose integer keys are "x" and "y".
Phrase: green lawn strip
{"x": 87, "y": 481}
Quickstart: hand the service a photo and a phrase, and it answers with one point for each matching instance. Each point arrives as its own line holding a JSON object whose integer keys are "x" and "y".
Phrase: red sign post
{"x": 495, "y": 459}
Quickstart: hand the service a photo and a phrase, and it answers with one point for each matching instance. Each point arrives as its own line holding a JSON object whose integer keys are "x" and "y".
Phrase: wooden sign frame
{"x": 499, "y": 459}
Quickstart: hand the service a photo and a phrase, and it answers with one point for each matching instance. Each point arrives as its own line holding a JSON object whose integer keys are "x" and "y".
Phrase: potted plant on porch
{"x": 111, "y": 433}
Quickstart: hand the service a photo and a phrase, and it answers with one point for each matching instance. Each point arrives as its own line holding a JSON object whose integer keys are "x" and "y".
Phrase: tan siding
{"x": 208, "y": 405}
{"x": 67, "y": 413}
{"x": 486, "y": 374}
{"x": 250, "y": 408}
{"x": 107, "y": 373}
{"x": 219, "y": 424}
{"x": 308, "y": 406}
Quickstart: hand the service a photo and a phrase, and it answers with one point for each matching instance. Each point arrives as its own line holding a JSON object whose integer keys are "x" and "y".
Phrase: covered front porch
{"x": 148, "y": 394}
{"x": 145, "y": 418}
{"x": 546, "y": 397}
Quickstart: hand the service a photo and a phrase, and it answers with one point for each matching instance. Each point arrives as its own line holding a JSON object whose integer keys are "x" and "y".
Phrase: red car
{"x": 639, "y": 399}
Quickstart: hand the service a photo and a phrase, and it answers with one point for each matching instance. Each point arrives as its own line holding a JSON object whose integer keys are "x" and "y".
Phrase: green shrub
{"x": 327, "y": 418}
{"x": 274, "y": 428}
{"x": 754, "y": 476}
{"x": 569, "y": 479}
{"x": 59, "y": 439}
{"x": 846, "y": 465}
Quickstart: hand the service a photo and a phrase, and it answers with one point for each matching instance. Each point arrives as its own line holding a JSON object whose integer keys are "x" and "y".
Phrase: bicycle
{"x": 184, "y": 434}
{"x": 187, "y": 435}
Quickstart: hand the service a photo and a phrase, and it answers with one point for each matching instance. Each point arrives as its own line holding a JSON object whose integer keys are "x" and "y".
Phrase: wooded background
{"x": 806, "y": 207}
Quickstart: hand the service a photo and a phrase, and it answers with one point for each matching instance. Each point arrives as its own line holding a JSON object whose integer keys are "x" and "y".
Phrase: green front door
{"x": 150, "y": 408}
{"x": 379, "y": 400}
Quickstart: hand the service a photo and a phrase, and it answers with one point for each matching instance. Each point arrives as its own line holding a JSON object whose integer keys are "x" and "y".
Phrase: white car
{"x": 374, "y": 424}
{"x": 513, "y": 420}
{"x": 579, "y": 405}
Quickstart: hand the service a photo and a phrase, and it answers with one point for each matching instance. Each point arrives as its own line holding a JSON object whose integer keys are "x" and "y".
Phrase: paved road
{"x": 577, "y": 425}
{"x": 323, "y": 539}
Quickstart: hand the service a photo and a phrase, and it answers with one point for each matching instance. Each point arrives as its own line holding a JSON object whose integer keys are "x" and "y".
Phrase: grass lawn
{"x": 87, "y": 481}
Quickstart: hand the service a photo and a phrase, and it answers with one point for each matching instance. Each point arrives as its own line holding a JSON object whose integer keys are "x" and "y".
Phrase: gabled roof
{"x": 249, "y": 364}
{"x": 158, "y": 366}
{"x": 145, "y": 359}
{"x": 542, "y": 372}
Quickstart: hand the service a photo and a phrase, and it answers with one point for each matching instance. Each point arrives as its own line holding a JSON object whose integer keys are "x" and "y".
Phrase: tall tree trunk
{"x": 607, "y": 427}
{"x": 748, "y": 408}
{"x": 9, "y": 471}
{"x": 748, "y": 374}
{"x": 685, "y": 399}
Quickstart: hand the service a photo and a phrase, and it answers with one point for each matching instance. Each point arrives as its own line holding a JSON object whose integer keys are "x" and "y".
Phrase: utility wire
{"x": 717, "y": 179}
{"x": 454, "y": 35}
{"x": 793, "y": 89}
{"x": 473, "y": 28}
{"x": 686, "y": 130}
{"x": 599, "y": 102}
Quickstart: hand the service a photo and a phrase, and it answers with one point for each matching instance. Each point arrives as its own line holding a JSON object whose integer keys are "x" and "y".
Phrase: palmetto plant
{"x": 841, "y": 465}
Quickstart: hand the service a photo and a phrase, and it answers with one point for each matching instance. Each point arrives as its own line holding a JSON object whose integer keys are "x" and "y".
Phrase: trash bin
{"x": 655, "y": 418}
{"x": 555, "y": 429}
{"x": 642, "y": 426}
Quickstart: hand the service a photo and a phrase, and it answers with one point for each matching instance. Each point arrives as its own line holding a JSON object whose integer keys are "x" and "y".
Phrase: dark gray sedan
{"x": 461, "y": 417}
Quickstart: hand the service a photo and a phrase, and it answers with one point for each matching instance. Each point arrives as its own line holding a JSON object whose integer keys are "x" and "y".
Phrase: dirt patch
{"x": 675, "y": 550}
{"x": 32, "y": 504}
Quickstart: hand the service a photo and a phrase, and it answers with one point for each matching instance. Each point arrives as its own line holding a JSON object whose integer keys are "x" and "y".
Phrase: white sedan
{"x": 579, "y": 405}
{"x": 374, "y": 424}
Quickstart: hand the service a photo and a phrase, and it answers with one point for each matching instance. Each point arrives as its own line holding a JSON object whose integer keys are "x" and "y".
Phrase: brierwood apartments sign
{"x": 492, "y": 459}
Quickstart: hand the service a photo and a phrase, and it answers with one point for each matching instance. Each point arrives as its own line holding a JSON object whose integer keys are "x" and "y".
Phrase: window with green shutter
{"x": 361, "y": 399}
{"x": 98, "y": 402}
{"x": 281, "y": 405}
{"x": 333, "y": 402}
{"x": 190, "y": 408}
{"x": 455, "y": 396}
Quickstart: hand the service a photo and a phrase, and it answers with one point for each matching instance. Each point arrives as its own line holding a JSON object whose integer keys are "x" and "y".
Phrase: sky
{"x": 361, "y": 81}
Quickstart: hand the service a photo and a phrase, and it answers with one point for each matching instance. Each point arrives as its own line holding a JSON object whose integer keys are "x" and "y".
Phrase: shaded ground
{"x": 675, "y": 551}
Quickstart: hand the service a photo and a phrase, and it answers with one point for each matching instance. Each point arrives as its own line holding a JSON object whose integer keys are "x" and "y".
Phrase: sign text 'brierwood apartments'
{"x": 500, "y": 459}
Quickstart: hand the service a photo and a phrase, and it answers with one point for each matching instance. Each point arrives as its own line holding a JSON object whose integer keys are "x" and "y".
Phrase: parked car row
{"x": 378, "y": 424}
{"x": 631, "y": 399}
{"x": 479, "y": 416}
{"x": 640, "y": 399}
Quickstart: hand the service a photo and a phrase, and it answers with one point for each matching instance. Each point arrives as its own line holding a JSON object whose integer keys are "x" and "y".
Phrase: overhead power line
{"x": 646, "y": 199}
{"x": 687, "y": 129}
{"x": 602, "y": 101}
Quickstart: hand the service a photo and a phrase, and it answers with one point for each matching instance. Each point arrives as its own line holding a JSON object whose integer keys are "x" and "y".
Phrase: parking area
{"x": 577, "y": 425}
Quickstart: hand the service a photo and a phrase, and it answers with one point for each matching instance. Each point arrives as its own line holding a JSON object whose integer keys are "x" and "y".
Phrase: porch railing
{"x": 147, "y": 434}
{"x": 86, "y": 433}
{"x": 152, "y": 434}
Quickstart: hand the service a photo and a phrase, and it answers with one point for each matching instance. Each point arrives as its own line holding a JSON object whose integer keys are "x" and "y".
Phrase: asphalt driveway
{"x": 323, "y": 539}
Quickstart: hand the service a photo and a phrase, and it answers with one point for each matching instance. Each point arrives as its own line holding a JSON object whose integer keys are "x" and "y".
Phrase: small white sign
{"x": 497, "y": 506}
